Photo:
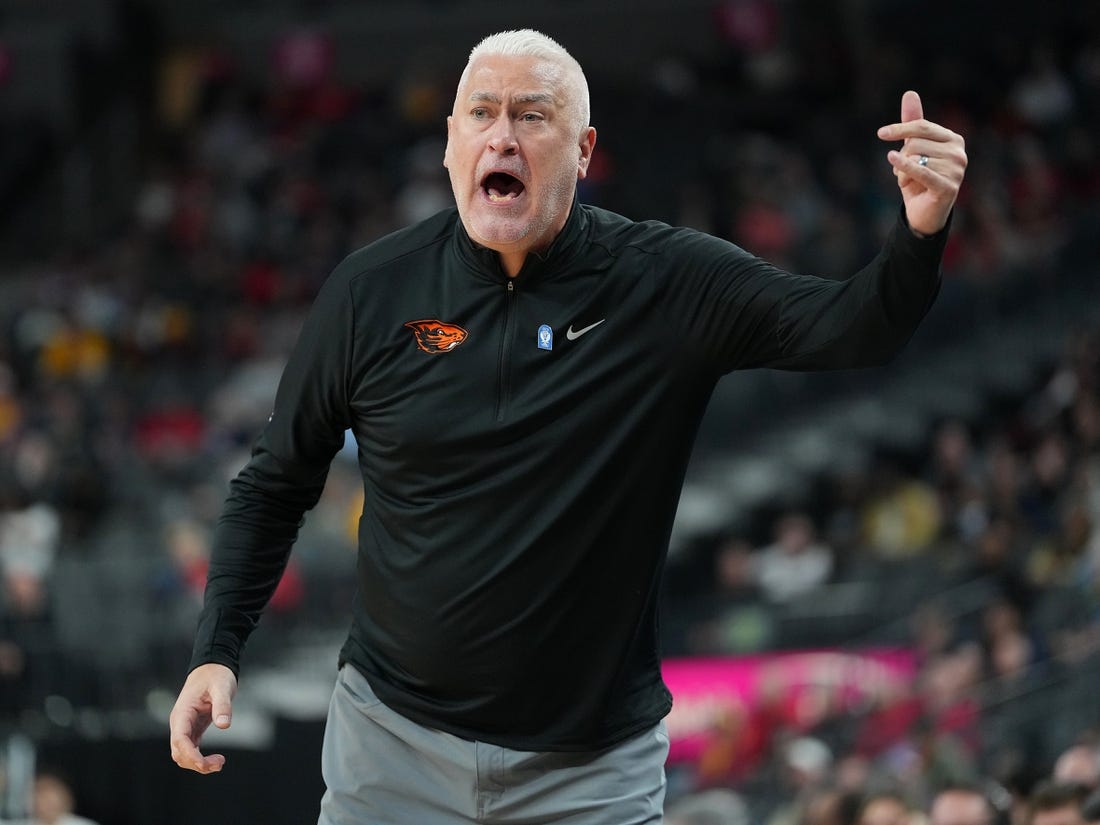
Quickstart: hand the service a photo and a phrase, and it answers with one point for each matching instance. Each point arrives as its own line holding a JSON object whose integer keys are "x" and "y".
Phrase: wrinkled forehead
{"x": 491, "y": 74}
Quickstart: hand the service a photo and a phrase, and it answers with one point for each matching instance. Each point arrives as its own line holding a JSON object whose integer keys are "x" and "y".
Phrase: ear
{"x": 447, "y": 151}
{"x": 587, "y": 145}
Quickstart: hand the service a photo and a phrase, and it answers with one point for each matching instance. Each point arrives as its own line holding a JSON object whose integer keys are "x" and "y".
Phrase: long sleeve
{"x": 284, "y": 478}
{"x": 742, "y": 312}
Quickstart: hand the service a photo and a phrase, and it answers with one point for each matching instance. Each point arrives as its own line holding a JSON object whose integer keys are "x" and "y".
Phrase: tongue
{"x": 500, "y": 185}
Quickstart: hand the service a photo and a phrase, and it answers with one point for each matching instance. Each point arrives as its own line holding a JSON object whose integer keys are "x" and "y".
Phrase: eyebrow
{"x": 530, "y": 97}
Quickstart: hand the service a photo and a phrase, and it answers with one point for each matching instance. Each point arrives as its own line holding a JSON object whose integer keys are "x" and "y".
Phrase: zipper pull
{"x": 511, "y": 285}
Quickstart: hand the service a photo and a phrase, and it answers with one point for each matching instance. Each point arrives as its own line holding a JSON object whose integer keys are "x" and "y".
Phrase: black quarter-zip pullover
{"x": 523, "y": 443}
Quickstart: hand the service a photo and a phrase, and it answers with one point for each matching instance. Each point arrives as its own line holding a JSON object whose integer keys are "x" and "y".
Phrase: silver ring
{"x": 922, "y": 160}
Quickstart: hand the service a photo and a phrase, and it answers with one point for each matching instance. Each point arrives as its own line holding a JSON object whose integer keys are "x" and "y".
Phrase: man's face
{"x": 515, "y": 149}
{"x": 1068, "y": 815}
{"x": 1079, "y": 766}
{"x": 884, "y": 811}
{"x": 959, "y": 808}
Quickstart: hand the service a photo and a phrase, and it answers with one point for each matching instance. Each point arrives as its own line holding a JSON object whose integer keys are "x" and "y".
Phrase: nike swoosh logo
{"x": 574, "y": 334}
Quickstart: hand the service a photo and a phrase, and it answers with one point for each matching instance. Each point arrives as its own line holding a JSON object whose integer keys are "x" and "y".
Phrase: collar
{"x": 485, "y": 263}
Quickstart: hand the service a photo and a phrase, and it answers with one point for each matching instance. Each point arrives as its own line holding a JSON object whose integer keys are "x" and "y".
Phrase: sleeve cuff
{"x": 922, "y": 237}
{"x": 925, "y": 247}
{"x": 220, "y": 639}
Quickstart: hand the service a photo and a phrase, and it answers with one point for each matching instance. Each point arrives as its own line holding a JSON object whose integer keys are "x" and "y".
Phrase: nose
{"x": 502, "y": 139}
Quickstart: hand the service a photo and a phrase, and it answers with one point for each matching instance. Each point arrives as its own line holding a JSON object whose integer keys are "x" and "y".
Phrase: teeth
{"x": 497, "y": 198}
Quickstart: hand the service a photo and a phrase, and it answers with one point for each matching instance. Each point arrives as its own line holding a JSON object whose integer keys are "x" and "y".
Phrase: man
{"x": 961, "y": 805}
{"x": 1078, "y": 765}
{"x": 884, "y": 809}
{"x": 524, "y": 376}
{"x": 54, "y": 802}
{"x": 1057, "y": 803}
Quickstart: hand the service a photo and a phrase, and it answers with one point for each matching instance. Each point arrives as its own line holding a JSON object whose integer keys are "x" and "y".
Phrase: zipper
{"x": 505, "y": 351}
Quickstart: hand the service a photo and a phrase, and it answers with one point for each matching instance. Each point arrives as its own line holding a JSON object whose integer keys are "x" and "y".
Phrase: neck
{"x": 512, "y": 262}
{"x": 513, "y": 256}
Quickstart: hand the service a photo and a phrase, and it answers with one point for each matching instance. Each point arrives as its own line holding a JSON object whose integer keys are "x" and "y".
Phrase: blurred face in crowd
{"x": 1065, "y": 815}
{"x": 884, "y": 811}
{"x": 516, "y": 147}
{"x": 795, "y": 533}
{"x": 1079, "y": 765}
{"x": 959, "y": 808}
{"x": 824, "y": 809}
{"x": 52, "y": 799}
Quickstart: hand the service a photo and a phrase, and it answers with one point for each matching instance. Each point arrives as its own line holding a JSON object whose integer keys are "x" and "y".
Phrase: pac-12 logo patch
{"x": 434, "y": 336}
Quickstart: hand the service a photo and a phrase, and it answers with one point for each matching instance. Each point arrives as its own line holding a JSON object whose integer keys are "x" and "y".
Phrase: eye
{"x": 531, "y": 117}
{"x": 480, "y": 113}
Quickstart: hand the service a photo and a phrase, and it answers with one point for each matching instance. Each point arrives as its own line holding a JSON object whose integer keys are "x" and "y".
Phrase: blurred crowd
{"x": 1069, "y": 797}
{"x": 135, "y": 373}
{"x": 986, "y": 550}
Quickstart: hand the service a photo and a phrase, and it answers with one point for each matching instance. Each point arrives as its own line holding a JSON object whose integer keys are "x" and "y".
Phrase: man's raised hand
{"x": 929, "y": 166}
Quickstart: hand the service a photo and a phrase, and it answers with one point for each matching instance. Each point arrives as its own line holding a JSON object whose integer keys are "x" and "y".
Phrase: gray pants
{"x": 382, "y": 769}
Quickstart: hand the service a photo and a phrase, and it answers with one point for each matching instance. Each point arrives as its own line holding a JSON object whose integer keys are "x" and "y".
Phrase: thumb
{"x": 911, "y": 108}
{"x": 221, "y": 708}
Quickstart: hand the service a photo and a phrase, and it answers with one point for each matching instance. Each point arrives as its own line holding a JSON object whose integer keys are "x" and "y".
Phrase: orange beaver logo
{"x": 435, "y": 337}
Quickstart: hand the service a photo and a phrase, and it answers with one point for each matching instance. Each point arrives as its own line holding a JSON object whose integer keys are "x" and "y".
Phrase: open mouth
{"x": 500, "y": 187}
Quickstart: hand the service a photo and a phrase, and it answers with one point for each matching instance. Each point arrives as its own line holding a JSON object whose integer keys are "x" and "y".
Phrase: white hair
{"x": 530, "y": 43}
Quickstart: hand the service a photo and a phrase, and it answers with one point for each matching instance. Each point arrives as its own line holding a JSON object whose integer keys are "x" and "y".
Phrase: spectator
{"x": 1054, "y": 803}
{"x": 732, "y": 619}
{"x": 28, "y": 544}
{"x": 954, "y": 473}
{"x": 902, "y": 516}
{"x": 54, "y": 803}
{"x": 884, "y": 809}
{"x": 832, "y": 807}
{"x": 961, "y": 805}
{"x": 1078, "y": 765}
{"x": 807, "y": 767}
{"x": 795, "y": 563}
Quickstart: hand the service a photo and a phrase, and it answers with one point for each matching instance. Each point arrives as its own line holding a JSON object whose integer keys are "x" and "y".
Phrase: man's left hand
{"x": 929, "y": 167}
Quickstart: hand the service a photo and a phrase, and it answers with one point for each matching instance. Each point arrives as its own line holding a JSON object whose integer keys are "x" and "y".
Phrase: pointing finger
{"x": 911, "y": 108}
